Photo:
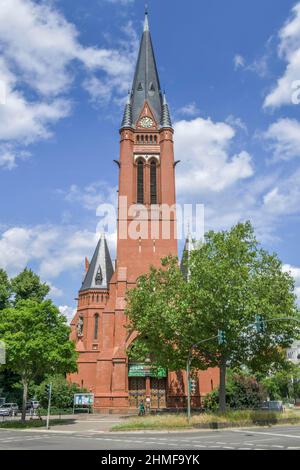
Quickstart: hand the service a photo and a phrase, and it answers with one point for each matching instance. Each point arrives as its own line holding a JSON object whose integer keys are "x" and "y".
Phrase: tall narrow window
{"x": 153, "y": 182}
{"x": 96, "y": 326}
{"x": 140, "y": 182}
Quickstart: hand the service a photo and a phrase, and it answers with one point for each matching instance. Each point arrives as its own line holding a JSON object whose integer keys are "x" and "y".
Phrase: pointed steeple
{"x": 100, "y": 270}
{"x": 146, "y": 22}
{"x": 127, "y": 118}
{"x": 165, "y": 117}
{"x": 146, "y": 85}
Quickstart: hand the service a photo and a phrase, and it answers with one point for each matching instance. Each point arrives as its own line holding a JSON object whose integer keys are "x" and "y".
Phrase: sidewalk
{"x": 84, "y": 423}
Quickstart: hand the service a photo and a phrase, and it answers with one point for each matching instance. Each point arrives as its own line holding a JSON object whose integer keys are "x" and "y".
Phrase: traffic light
{"x": 221, "y": 337}
{"x": 259, "y": 324}
{"x": 48, "y": 389}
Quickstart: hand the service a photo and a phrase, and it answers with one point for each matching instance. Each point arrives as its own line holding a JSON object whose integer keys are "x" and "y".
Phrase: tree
{"x": 231, "y": 280}
{"x": 283, "y": 384}
{"x": 27, "y": 285}
{"x": 37, "y": 341}
{"x": 158, "y": 310}
{"x": 5, "y": 290}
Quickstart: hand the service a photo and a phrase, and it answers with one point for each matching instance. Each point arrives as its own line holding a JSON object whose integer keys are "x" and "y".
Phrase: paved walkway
{"x": 84, "y": 422}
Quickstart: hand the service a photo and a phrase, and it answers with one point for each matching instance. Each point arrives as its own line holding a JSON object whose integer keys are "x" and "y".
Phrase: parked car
{"x": 273, "y": 405}
{"x": 32, "y": 404}
{"x": 9, "y": 409}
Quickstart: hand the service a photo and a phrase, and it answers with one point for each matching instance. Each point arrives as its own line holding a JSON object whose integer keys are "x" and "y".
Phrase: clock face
{"x": 146, "y": 122}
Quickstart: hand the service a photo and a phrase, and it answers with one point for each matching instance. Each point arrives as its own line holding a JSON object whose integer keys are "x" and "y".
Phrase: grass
{"x": 34, "y": 423}
{"x": 231, "y": 418}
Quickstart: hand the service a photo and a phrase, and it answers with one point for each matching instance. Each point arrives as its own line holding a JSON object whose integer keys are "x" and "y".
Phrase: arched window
{"x": 140, "y": 182}
{"x": 96, "y": 326}
{"x": 153, "y": 182}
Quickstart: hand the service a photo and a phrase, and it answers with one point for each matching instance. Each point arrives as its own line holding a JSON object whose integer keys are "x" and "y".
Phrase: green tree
{"x": 28, "y": 285}
{"x": 231, "y": 280}
{"x": 5, "y": 290}
{"x": 283, "y": 384}
{"x": 37, "y": 342}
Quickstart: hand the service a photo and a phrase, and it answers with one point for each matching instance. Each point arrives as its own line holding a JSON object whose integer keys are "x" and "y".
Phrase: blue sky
{"x": 231, "y": 71}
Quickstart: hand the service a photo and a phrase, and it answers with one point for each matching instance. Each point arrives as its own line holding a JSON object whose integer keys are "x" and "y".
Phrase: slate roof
{"x": 146, "y": 86}
{"x": 100, "y": 269}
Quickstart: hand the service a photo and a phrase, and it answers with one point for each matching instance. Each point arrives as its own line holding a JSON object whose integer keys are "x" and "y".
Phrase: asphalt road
{"x": 275, "y": 438}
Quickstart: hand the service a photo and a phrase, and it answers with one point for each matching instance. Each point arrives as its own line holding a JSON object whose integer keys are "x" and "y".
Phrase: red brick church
{"x": 147, "y": 176}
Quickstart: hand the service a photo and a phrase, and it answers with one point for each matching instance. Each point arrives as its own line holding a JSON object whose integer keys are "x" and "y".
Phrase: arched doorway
{"x": 147, "y": 384}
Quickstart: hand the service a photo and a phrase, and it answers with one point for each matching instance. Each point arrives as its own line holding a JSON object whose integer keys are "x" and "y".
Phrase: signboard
{"x": 146, "y": 370}
{"x": 83, "y": 399}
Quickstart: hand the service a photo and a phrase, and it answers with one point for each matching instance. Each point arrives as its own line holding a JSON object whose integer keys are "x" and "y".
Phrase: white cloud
{"x": 239, "y": 61}
{"x": 55, "y": 291}
{"x": 284, "y": 138}
{"x": 189, "y": 110}
{"x": 283, "y": 199}
{"x": 204, "y": 150}
{"x": 55, "y": 249}
{"x": 289, "y": 51}
{"x": 68, "y": 312}
{"x": 237, "y": 123}
{"x": 39, "y": 48}
{"x": 92, "y": 195}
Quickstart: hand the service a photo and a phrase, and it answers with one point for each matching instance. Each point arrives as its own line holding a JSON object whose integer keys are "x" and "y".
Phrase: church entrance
{"x": 144, "y": 385}
{"x": 158, "y": 393}
{"x": 137, "y": 391}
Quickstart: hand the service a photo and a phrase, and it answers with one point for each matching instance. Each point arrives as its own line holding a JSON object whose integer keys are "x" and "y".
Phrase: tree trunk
{"x": 222, "y": 390}
{"x": 25, "y": 393}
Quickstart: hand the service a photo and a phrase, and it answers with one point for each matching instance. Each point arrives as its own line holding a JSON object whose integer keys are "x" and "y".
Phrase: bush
{"x": 242, "y": 392}
{"x": 62, "y": 396}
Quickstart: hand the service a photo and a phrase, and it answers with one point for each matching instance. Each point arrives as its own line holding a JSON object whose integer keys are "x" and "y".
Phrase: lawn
{"x": 208, "y": 420}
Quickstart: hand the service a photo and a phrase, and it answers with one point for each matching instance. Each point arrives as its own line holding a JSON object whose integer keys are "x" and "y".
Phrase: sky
{"x": 231, "y": 71}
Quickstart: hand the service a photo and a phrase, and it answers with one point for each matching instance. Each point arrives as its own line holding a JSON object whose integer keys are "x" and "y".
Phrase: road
{"x": 275, "y": 438}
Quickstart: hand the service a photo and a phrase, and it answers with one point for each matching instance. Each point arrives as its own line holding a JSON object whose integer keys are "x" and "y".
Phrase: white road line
{"x": 267, "y": 433}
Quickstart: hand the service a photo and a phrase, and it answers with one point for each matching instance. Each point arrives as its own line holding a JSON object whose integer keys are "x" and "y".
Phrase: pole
{"x": 49, "y": 405}
{"x": 188, "y": 373}
{"x": 188, "y": 366}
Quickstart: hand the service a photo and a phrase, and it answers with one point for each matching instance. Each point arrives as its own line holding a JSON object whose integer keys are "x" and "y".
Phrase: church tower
{"x": 146, "y": 170}
{"x": 146, "y": 234}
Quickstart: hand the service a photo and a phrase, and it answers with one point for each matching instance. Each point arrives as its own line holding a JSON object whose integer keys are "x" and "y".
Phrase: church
{"x": 146, "y": 177}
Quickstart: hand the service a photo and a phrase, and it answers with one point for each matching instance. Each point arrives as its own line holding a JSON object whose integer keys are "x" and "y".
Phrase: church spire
{"x": 146, "y": 22}
{"x": 100, "y": 269}
{"x": 146, "y": 86}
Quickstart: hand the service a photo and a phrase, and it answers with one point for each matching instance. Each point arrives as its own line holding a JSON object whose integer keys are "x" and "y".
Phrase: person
{"x": 142, "y": 409}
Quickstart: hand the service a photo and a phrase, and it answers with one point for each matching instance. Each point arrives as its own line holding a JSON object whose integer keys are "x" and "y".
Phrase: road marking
{"x": 268, "y": 434}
